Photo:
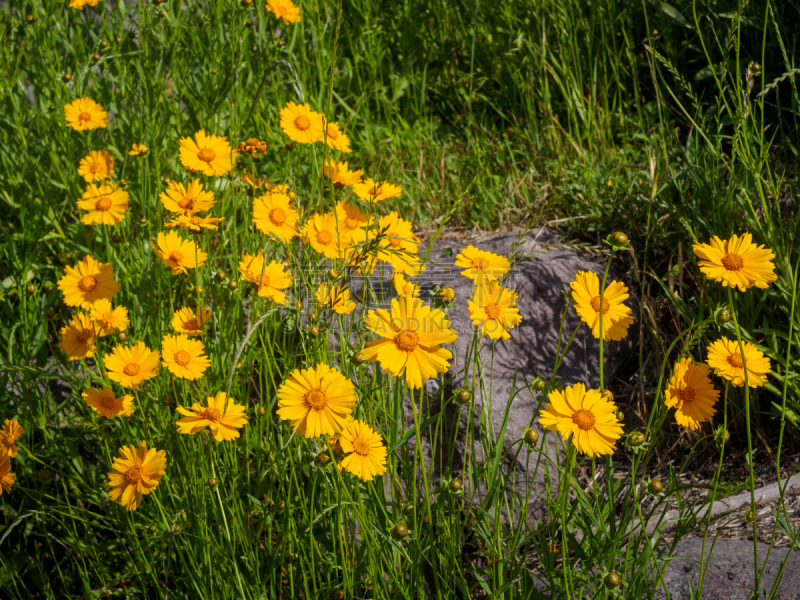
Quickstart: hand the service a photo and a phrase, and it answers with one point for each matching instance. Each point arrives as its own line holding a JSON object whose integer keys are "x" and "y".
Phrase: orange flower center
{"x": 584, "y": 419}
{"x": 107, "y": 401}
{"x": 206, "y": 155}
{"x": 83, "y": 336}
{"x": 406, "y": 341}
{"x": 735, "y": 360}
{"x": 324, "y": 237}
{"x": 408, "y": 288}
{"x": 360, "y": 446}
{"x": 315, "y": 400}
{"x": 176, "y": 256}
{"x": 732, "y": 262}
{"x": 492, "y": 311}
{"x": 186, "y": 203}
{"x": 395, "y": 242}
{"x": 85, "y": 116}
{"x": 264, "y": 281}
{"x": 212, "y": 414}
{"x": 302, "y": 123}
{"x": 131, "y": 369}
{"x": 95, "y": 168}
{"x": 103, "y": 204}
{"x": 108, "y": 318}
{"x": 351, "y": 223}
{"x": 88, "y": 283}
{"x": 277, "y": 216}
{"x": 376, "y": 191}
{"x": 134, "y": 474}
{"x": 686, "y": 395}
{"x": 479, "y": 263}
{"x": 196, "y": 221}
{"x": 596, "y": 305}
{"x": 191, "y": 324}
{"x": 182, "y": 357}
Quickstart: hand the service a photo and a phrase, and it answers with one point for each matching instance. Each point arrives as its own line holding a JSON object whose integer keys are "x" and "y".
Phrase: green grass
{"x": 591, "y": 116}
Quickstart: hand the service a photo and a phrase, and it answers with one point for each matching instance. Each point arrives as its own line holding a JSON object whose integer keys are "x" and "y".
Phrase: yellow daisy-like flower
{"x": 11, "y": 432}
{"x": 185, "y": 320}
{"x": 179, "y": 254}
{"x": 85, "y": 113}
{"x": 301, "y": 124}
{"x": 106, "y": 404}
{"x": 403, "y": 287}
{"x": 136, "y": 473}
{"x": 353, "y": 224}
{"x": 106, "y": 204}
{"x": 221, "y": 415}
{"x": 194, "y": 223}
{"x": 129, "y": 367}
{"x": 184, "y": 356}
{"x": 99, "y": 165}
{"x": 336, "y": 297}
{"x": 398, "y": 245}
{"x": 616, "y": 316}
{"x": 272, "y": 282}
{"x": 317, "y": 401}
{"x": 77, "y": 338}
{"x": 736, "y": 262}
{"x": 335, "y": 139}
{"x": 275, "y": 215}
{"x": 340, "y": 176}
{"x": 138, "y": 150}
{"x": 410, "y": 342}
{"x": 108, "y": 319}
{"x": 373, "y": 191}
{"x": 585, "y": 416}
{"x": 725, "y": 358}
{"x": 187, "y": 200}
{"x": 284, "y": 10}
{"x": 325, "y": 237}
{"x": 7, "y": 478}
{"x": 482, "y": 266}
{"x": 366, "y": 454}
{"x": 87, "y": 282}
{"x": 493, "y": 309}
{"x": 691, "y": 393}
{"x": 209, "y": 154}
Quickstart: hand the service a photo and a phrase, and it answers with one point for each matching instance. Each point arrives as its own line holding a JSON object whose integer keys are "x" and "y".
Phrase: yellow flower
{"x": 353, "y": 224}
{"x": 138, "y": 150}
{"x": 398, "y": 245}
{"x": 105, "y": 404}
{"x": 404, "y": 287}
{"x": 90, "y": 280}
{"x": 691, "y": 393}
{"x": 300, "y": 123}
{"x": 184, "y": 356}
{"x": 323, "y": 233}
{"x": 209, "y": 154}
{"x": 275, "y": 215}
{"x": 736, "y": 262}
{"x": 410, "y": 340}
{"x": 106, "y": 204}
{"x": 11, "y": 432}
{"x": 273, "y": 281}
{"x": 179, "y": 254}
{"x": 586, "y": 297}
{"x": 85, "y": 113}
{"x": 194, "y": 223}
{"x": 585, "y": 416}
{"x": 339, "y": 175}
{"x": 284, "y": 10}
{"x": 190, "y": 322}
{"x": 79, "y": 4}
{"x": 99, "y": 165}
{"x": 317, "y": 401}
{"x": 726, "y": 360}
{"x": 108, "y": 319}
{"x": 77, "y": 339}
{"x": 7, "y": 478}
{"x": 373, "y": 191}
{"x": 482, "y": 266}
{"x": 336, "y": 297}
{"x": 493, "y": 309}
{"x": 334, "y": 138}
{"x": 222, "y": 416}
{"x": 253, "y": 146}
{"x": 136, "y": 473}
{"x": 188, "y": 200}
{"x": 129, "y": 367}
{"x": 366, "y": 456}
